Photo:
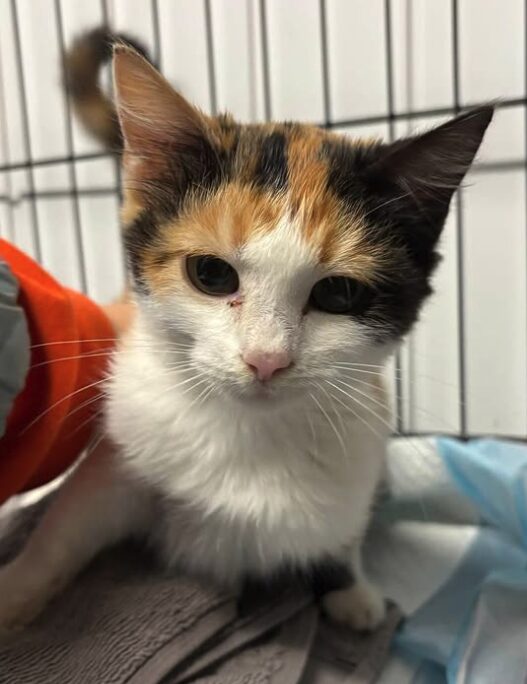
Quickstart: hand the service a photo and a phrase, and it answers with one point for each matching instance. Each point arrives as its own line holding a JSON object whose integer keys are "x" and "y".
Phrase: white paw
{"x": 360, "y": 606}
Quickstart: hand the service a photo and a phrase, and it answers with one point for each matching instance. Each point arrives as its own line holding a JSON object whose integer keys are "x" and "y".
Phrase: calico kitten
{"x": 274, "y": 267}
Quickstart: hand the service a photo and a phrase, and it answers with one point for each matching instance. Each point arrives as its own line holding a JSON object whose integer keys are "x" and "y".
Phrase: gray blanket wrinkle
{"x": 125, "y": 621}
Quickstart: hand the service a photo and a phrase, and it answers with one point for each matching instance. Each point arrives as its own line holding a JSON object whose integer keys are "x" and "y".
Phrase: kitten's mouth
{"x": 261, "y": 390}
{"x": 267, "y": 391}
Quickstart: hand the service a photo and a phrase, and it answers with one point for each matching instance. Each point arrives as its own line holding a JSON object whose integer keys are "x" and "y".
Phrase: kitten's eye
{"x": 340, "y": 295}
{"x": 212, "y": 276}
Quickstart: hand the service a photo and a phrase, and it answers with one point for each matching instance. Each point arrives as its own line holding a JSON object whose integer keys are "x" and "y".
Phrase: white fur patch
{"x": 251, "y": 478}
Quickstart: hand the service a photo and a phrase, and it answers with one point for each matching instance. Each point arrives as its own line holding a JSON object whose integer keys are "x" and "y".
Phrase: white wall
{"x": 490, "y": 245}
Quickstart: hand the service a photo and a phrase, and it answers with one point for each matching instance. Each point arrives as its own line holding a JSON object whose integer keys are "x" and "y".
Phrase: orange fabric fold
{"x": 52, "y": 418}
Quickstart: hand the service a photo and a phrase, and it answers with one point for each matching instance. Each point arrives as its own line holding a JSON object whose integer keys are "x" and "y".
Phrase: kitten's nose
{"x": 266, "y": 364}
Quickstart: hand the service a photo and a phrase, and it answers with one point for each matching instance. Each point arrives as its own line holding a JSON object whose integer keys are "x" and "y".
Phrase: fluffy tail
{"x": 82, "y": 65}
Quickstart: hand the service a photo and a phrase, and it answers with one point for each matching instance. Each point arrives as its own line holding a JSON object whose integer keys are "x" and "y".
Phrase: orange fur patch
{"x": 338, "y": 237}
{"x": 219, "y": 225}
{"x": 131, "y": 207}
{"x": 237, "y": 214}
{"x": 223, "y": 221}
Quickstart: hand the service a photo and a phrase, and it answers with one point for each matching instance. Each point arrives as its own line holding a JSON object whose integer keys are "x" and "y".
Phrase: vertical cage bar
{"x": 72, "y": 171}
{"x": 157, "y": 35}
{"x": 211, "y": 67}
{"x": 116, "y": 157}
{"x": 410, "y": 385}
{"x": 265, "y": 61}
{"x": 525, "y": 118}
{"x": 326, "y": 91}
{"x": 460, "y": 245}
{"x": 117, "y": 162}
{"x": 105, "y": 13}
{"x": 391, "y": 135}
{"x": 389, "y": 67}
{"x": 26, "y": 133}
{"x": 5, "y": 144}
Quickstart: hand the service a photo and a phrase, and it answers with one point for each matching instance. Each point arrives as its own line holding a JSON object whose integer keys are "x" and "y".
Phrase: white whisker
{"x": 367, "y": 408}
{"x": 359, "y": 417}
{"x": 381, "y": 419}
{"x": 363, "y": 394}
{"x": 384, "y": 204}
{"x": 87, "y": 355}
{"x": 95, "y": 354}
{"x": 71, "y": 394}
{"x": 414, "y": 408}
{"x": 331, "y": 423}
{"x": 88, "y": 341}
{"x": 323, "y": 389}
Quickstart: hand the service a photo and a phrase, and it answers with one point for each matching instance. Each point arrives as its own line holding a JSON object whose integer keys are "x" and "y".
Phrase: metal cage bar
{"x": 72, "y": 171}
{"x": 390, "y": 117}
{"x": 459, "y": 225}
{"x": 211, "y": 67}
{"x": 506, "y": 103}
{"x": 37, "y": 242}
{"x": 391, "y": 137}
{"x": 266, "y": 76}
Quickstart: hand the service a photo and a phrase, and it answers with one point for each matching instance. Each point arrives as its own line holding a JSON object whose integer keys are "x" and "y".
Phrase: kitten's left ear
{"x": 151, "y": 113}
{"x": 167, "y": 148}
{"x": 426, "y": 170}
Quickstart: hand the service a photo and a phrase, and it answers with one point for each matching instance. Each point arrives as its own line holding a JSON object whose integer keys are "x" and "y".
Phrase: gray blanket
{"x": 14, "y": 343}
{"x": 124, "y": 620}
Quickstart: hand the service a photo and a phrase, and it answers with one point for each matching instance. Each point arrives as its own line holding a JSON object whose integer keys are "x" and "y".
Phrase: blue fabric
{"x": 493, "y": 475}
{"x": 492, "y": 646}
{"x": 472, "y": 629}
{"x": 429, "y": 673}
{"x": 432, "y": 630}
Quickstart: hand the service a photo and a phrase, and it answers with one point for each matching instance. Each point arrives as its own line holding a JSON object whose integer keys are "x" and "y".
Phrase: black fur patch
{"x": 394, "y": 221}
{"x": 139, "y": 235}
{"x": 405, "y": 190}
{"x": 405, "y": 284}
{"x": 319, "y": 577}
{"x": 328, "y": 575}
{"x": 195, "y": 166}
{"x": 271, "y": 169}
{"x": 194, "y": 169}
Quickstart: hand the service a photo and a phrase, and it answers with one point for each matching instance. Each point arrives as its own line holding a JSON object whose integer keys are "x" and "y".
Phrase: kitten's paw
{"x": 360, "y": 606}
{"x": 22, "y": 598}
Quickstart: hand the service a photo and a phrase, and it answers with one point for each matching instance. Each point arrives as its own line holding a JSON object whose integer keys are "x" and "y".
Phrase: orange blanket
{"x": 52, "y": 418}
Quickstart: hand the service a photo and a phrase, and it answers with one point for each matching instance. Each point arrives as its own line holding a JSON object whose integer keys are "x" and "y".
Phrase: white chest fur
{"x": 244, "y": 488}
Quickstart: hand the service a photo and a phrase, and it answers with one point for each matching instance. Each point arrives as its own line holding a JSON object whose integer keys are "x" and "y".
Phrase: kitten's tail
{"x": 82, "y": 66}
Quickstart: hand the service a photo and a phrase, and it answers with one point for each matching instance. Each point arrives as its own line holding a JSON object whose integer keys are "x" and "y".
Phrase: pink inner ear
{"x": 151, "y": 112}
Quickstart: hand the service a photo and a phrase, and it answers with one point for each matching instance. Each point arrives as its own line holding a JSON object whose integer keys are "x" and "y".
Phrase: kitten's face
{"x": 277, "y": 252}
{"x": 245, "y": 280}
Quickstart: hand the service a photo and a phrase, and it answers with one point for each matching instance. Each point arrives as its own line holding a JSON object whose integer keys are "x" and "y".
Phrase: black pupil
{"x": 212, "y": 275}
{"x": 340, "y": 295}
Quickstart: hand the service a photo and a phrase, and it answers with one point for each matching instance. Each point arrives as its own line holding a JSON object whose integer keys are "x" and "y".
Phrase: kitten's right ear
{"x": 151, "y": 113}
{"x": 429, "y": 167}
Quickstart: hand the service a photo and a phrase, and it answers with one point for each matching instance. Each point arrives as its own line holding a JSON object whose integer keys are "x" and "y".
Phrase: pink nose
{"x": 265, "y": 364}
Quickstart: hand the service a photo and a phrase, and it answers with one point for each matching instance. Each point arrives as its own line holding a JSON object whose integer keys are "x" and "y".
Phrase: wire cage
{"x": 360, "y": 67}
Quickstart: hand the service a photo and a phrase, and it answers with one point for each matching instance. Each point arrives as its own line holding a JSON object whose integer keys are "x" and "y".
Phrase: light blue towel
{"x": 450, "y": 545}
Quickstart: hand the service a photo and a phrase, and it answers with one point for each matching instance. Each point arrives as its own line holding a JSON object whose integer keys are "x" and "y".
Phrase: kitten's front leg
{"x": 360, "y": 604}
{"x": 95, "y": 508}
